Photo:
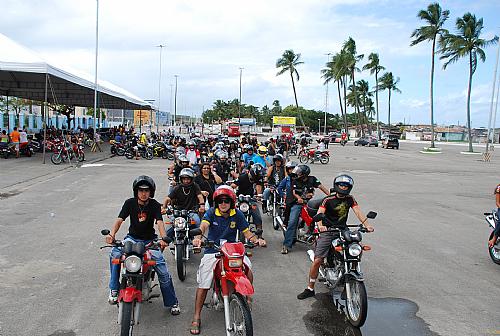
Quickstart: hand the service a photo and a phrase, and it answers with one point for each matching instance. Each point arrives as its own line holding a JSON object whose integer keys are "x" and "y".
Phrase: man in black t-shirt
{"x": 186, "y": 196}
{"x": 336, "y": 209}
{"x": 143, "y": 211}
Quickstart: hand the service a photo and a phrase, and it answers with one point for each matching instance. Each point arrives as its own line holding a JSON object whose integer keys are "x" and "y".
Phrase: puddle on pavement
{"x": 386, "y": 317}
{"x": 9, "y": 194}
{"x": 63, "y": 333}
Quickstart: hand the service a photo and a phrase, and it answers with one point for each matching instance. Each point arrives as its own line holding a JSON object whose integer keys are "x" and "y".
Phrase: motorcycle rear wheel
{"x": 357, "y": 306}
{"x": 181, "y": 263}
{"x": 303, "y": 159}
{"x": 240, "y": 316}
{"x": 56, "y": 158}
{"x": 120, "y": 151}
{"x": 129, "y": 154}
{"x": 495, "y": 251}
{"x": 324, "y": 159}
{"x": 148, "y": 155}
{"x": 81, "y": 157}
{"x": 127, "y": 318}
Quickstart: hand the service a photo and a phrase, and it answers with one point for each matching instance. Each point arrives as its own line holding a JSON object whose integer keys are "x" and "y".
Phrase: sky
{"x": 207, "y": 42}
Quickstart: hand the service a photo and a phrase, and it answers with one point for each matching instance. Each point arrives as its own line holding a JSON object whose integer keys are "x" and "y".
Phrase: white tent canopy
{"x": 23, "y": 74}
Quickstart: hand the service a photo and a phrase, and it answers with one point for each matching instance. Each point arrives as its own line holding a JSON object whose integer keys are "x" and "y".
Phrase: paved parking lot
{"x": 428, "y": 272}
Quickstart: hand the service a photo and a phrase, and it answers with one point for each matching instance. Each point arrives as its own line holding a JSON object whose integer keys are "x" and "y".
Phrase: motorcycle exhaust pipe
{"x": 226, "y": 315}
{"x": 120, "y": 312}
{"x": 137, "y": 312}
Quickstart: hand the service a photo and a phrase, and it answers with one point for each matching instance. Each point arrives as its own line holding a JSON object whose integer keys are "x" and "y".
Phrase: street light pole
{"x": 492, "y": 100}
{"x": 175, "y": 103}
{"x": 159, "y": 94}
{"x": 319, "y": 126}
{"x": 326, "y": 96}
{"x": 239, "y": 102}
{"x": 96, "y": 49}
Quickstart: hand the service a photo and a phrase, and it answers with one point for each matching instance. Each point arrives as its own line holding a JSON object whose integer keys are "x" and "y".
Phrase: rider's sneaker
{"x": 307, "y": 293}
{"x": 284, "y": 250}
{"x": 175, "y": 310}
{"x": 113, "y": 297}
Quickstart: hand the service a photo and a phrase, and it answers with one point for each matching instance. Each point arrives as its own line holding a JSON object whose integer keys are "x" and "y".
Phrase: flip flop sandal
{"x": 195, "y": 328}
{"x": 262, "y": 242}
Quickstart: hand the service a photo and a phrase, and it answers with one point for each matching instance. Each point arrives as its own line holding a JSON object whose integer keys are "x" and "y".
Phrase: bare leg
{"x": 201, "y": 295}
{"x": 313, "y": 272}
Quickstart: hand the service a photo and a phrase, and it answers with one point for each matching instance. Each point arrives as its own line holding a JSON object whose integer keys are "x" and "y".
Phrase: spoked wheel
{"x": 149, "y": 155}
{"x": 127, "y": 319}
{"x": 181, "y": 263}
{"x": 495, "y": 251}
{"x": 303, "y": 159}
{"x": 240, "y": 316}
{"x": 356, "y": 302}
{"x": 56, "y": 158}
{"x": 324, "y": 159}
{"x": 81, "y": 157}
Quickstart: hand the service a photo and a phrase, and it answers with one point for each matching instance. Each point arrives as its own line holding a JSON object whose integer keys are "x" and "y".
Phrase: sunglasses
{"x": 224, "y": 201}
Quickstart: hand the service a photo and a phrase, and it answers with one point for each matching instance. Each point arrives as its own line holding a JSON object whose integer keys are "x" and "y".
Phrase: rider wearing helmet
{"x": 193, "y": 155}
{"x": 143, "y": 211}
{"x": 285, "y": 189}
{"x": 303, "y": 186}
{"x": 248, "y": 158}
{"x": 223, "y": 167}
{"x": 224, "y": 220}
{"x": 175, "y": 168}
{"x": 274, "y": 175}
{"x": 186, "y": 196}
{"x": 336, "y": 209}
{"x": 262, "y": 157}
{"x": 249, "y": 184}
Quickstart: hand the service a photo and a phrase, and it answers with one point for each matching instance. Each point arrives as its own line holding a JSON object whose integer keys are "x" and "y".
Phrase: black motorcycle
{"x": 342, "y": 268}
{"x": 244, "y": 204}
{"x": 144, "y": 151}
{"x": 182, "y": 239}
{"x": 275, "y": 207}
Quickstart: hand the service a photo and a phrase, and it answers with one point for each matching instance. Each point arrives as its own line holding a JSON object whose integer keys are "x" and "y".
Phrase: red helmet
{"x": 225, "y": 191}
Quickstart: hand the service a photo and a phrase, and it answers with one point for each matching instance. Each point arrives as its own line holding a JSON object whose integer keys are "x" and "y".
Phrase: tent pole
{"x": 8, "y": 116}
{"x": 96, "y": 50}
{"x": 44, "y": 118}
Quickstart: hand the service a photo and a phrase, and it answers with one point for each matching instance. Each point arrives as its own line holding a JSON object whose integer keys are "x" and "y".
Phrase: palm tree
{"x": 435, "y": 18}
{"x": 288, "y": 63}
{"x": 365, "y": 94}
{"x": 387, "y": 82}
{"x": 335, "y": 70}
{"x": 375, "y": 67}
{"x": 349, "y": 47}
{"x": 467, "y": 43}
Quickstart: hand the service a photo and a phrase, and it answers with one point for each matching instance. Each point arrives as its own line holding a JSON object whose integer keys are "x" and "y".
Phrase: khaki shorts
{"x": 205, "y": 274}
{"x": 16, "y": 145}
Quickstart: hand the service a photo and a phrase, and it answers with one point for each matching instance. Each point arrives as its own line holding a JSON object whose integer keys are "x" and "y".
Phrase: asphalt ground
{"x": 428, "y": 273}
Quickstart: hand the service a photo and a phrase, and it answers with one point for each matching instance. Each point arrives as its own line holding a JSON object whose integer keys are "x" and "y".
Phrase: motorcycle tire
{"x": 127, "y": 318}
{"x": 81, "y": 157}
{"x": 494, "y": 251}
{"x": 170, "y": 156}
{"x": 129, "y": 154}
{"x": 304, "y": 159}
{"x": 324, "y": 159}
{"x": 164, "y": 155}
{"x": 148, "y": 155}
{"x": 240, "y": 318}
{"x": 180, "y": 250}
{"x": 275, "y": 213}
{"x": 56, "y": 158}
{"x": 357, "y": 307}
{"x": 6, "y": 155}
{"x": 120, "y": 151}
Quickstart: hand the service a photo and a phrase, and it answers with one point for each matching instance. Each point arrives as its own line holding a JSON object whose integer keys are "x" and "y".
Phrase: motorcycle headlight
{"x": 180, "y": 223}
{"x": 235, "y": 263}
{"x": 133, "y": 264}
{"x": 355, "y": 249}
{"x": 244, "y": 207}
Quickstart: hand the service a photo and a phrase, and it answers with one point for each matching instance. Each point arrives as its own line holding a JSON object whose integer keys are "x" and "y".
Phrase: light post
{"x": 151, "y": 101}
{"x": 239, "y": 102}
{"x": 326, "y": 95}
{"x": 492, "y": 100}
{"x": 319, "y": 126}
{"x": 96, "y": 49}
{"x": 175, "y": 103}
{"x": 159, "y": 94}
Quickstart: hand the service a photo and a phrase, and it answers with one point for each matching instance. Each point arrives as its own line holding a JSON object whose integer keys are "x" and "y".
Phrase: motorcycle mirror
{"x": 318, "y": 217}
{"x": 194, "y": 232}
{"x": 105, "y": 232}
{"x": 487, "y": 213}
{"x": 371, "y": 215}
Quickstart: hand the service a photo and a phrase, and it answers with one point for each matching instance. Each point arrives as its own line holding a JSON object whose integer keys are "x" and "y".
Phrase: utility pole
{"x": 239, "y": 102}
{"x": 175, "y": 102}
{"x": 326, "y": 95}
{"x": 159, "y": 94}
{"x": 95, "y": 78}
{"x": 492, "y": 100}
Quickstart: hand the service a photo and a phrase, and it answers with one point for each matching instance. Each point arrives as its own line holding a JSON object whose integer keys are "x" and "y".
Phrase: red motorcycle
{"x": 231, "y": 286}
{"x": 137, "y": 275}
{"x": 311, "y": 155}
{"x": 305, "y": 227}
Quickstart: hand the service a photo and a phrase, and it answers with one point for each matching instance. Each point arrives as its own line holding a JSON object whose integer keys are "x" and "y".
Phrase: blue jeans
{"x": 497, "y": 227}
{"x": 266, "y": 194}
{"x": 292, "y": 225}
{"x": 255, "y": 213}
{"x": 164, "y": 277}
{"x": 193, "y": 216}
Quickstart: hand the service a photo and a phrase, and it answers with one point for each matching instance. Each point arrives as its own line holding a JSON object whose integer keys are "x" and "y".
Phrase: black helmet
{"x": 279, "y": 157}
{"x": 187, "y": 172}
{"x": 144, "y": 181}
{"x": 301, "y": 171}
{"x": 345, "y": 180}
{"x": 257, "y": 172}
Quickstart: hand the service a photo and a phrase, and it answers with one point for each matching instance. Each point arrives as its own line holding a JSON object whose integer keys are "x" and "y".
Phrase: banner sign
{"x": 284, "y": 121}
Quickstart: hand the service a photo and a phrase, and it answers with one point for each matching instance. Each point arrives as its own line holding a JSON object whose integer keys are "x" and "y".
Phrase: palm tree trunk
{"x": 342, "y": 112}
{"x": 296, "y": 102}
{"x": 345, "y": 103}
{"x": 376, "y": 100}
{"x": 356, "y": 103}
{"x": 432, "y": 92}
{"x": 389, "y": 113}
{"x": 468, "y": 102}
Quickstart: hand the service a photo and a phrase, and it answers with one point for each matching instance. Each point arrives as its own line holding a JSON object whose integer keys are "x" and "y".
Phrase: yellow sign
{"x": 284, "y": 121}
{"x": 141, "y": 117}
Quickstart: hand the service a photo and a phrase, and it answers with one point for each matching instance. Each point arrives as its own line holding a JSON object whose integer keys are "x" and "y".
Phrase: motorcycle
{"x": 117, "y": 148}
{"x": 342, "y": 268}
{"x": 312, "y": 155}
{"x": 231, "y": 286}
{"x": 144, "y": 151}
{"x": 305, "y": 226}
{"x": 182, "y": 241}
{"x": 275, "y": 207}
{"x": 494, "y": 251}
{"x": 137, "y": 275}
{"x": 244, "y": 203}
{"x": 64, "y": 152}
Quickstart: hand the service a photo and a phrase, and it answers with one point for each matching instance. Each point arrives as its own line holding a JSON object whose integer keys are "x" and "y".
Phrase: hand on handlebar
{"x": 369, "y": 228}
{"x": 322, "y": 228}
{"x": 197, "y": 242}
{"x": 109, "y": 239}
{"x": 163, "y": 244}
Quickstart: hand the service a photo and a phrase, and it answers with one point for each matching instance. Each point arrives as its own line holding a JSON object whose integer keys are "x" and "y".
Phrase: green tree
{"x": 435, "y": 18}
{"x": 288, "y": 63}
{"x": 375, "y": 67}
{"x": 353, "y": 58}
{"x": 389, "y": 83}
{"x": 467, "y": 43}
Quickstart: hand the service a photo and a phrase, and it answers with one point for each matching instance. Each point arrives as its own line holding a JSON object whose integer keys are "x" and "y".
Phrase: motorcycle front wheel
{"x": 181, "y": 263}
{"x": 241, "y": 318}
{"x": 303, "y": 159}
{"x": 81, "y": 157}
{"x": 356, "y": 302}
{"x": 120, "y": 151}
{"x": 495, "y": 251}
{"x": 148, "y": 155}
{"x": 129, "y": 154}
{"x": 324, "y": 159}
{"x": 56, "y": 158}
{"x": 127, "y": 318}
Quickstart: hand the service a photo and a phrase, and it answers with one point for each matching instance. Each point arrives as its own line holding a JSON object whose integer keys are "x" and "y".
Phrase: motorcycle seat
{"x": 313, "y": 206}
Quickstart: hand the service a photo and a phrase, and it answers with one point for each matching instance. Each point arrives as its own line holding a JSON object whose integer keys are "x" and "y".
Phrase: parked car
{"x": 336, "y": 138}
{"x": 390, "y": 142}
{"x": 366, "y": 141}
